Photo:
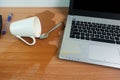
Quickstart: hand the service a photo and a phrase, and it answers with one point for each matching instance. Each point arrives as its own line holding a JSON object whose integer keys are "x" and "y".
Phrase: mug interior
{"x": 37, "y": 27}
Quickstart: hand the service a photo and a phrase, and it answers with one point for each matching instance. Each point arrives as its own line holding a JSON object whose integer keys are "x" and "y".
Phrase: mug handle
{"x": 30, "y": 44}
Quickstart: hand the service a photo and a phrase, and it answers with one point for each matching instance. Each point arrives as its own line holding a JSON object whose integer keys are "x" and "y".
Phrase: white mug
{"x": 29, "y": 27}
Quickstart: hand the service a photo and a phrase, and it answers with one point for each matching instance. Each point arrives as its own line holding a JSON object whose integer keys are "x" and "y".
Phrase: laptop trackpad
{"x": 107, "y": 54}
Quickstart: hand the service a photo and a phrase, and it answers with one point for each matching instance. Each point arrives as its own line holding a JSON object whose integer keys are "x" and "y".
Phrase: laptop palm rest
{"x": 105, "y": 54}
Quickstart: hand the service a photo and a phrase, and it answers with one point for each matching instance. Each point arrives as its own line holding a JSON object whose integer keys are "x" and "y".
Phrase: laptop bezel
{"x": 73, "y": 11}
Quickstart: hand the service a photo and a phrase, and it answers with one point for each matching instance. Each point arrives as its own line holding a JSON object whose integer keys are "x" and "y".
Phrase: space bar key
{"x": 102, "y": 40}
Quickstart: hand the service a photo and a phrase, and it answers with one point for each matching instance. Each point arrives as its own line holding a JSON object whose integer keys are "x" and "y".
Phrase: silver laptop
{"x": 92, "y": 33}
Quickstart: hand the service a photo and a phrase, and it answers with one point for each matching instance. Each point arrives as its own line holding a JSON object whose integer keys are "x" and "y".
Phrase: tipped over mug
{"x": 29, "y": 27}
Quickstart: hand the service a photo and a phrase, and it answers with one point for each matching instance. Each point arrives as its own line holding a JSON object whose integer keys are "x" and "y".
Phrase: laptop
{"x": 92, "y": 33}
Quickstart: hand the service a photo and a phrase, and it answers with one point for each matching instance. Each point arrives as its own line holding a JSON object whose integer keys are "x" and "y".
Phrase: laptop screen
{"x": 97, "y": 8}
{"x": 112, "y": 6}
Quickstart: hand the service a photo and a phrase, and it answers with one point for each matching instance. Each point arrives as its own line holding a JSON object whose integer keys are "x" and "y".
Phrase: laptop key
{"x": 72, "y": 36}
{"x": 77, "y": 37}
{"x": 117, "y": 42}
{"x": 102, "y": 40}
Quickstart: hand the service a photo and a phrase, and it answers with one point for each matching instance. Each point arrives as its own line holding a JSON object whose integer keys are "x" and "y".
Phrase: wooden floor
{"x": 19, "y": 61}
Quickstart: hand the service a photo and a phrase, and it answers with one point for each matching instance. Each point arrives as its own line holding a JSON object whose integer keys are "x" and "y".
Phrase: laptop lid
{"x": 95, "y": 8}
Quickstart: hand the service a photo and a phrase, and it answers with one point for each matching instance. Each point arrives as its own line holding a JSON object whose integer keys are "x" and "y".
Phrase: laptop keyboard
{"x": 95, "y": 32}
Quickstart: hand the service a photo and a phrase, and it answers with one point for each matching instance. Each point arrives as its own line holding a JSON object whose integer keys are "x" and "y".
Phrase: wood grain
{"x": 19, "y": 61}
